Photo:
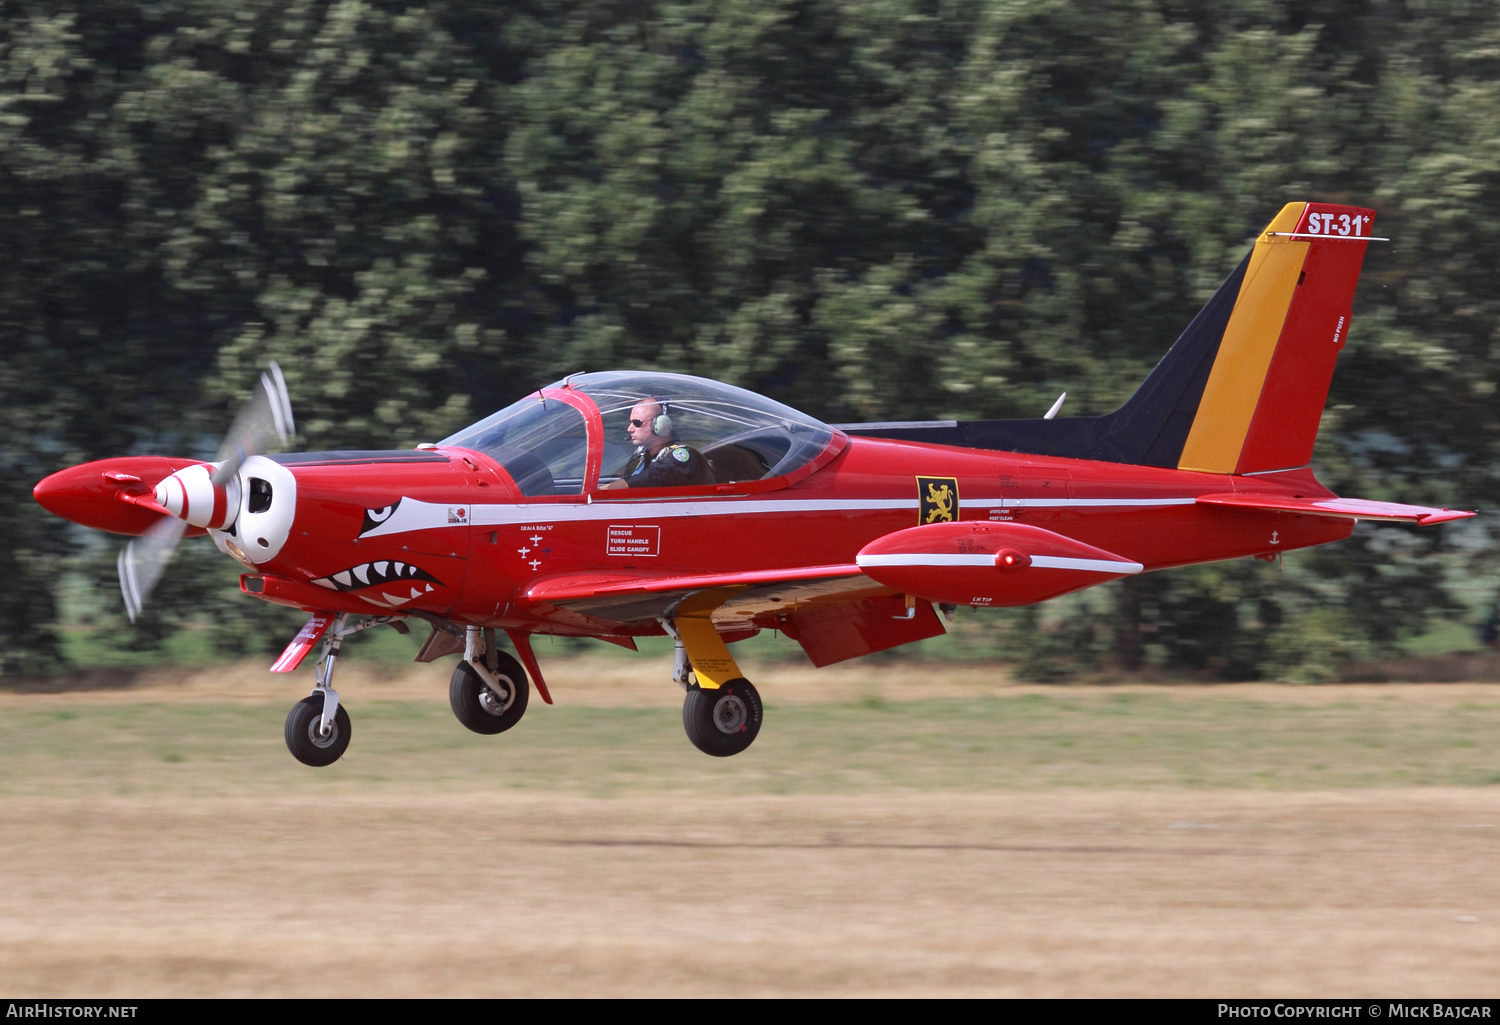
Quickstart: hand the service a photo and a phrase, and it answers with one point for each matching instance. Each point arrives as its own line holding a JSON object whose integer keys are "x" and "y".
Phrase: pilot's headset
{"x": 661, "y": 424}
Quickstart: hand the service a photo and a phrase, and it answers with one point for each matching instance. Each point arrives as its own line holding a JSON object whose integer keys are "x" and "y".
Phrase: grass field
{"x": 904, "y": 830}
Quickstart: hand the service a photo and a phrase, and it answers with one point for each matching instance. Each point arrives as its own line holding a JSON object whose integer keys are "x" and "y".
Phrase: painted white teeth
{"x": 370, "y": 574}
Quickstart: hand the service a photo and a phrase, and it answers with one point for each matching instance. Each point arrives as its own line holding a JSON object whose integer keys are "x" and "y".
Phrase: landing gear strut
{"x": 317, "y": 727}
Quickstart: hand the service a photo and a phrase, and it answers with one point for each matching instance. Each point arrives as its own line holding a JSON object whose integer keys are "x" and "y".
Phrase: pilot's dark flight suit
{"x": 674, "y": 466}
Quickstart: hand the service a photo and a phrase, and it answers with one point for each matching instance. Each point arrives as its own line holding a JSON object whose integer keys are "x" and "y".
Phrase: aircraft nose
{"x": 111, "y": 494}
{"x": 51, "y": 493}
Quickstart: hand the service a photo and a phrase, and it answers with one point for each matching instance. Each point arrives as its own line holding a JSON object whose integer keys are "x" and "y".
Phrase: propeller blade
{"x": 265, "y": 422}
{"x": 144, "y": 559}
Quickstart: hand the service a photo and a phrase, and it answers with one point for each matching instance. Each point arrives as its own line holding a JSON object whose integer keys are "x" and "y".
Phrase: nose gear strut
{"x": 317, "y": 727}
{"x": 332, "y": 642}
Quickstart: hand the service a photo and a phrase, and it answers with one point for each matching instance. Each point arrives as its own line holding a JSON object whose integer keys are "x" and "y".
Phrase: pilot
{"x": 659, "y": 461}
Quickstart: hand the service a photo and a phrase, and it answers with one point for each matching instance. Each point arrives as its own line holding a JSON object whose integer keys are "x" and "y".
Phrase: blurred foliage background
{"x": 869, "y": 209}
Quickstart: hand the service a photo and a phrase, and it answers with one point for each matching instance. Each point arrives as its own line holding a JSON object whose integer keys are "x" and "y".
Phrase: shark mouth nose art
{"x": 400, "y": 581}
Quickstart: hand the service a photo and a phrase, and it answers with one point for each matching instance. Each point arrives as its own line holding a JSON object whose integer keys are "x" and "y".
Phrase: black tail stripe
{"x": 1151, "y": 427}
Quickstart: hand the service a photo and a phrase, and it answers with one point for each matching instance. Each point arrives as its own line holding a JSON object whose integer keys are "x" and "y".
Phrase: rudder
{"x": 1265, "y": 393}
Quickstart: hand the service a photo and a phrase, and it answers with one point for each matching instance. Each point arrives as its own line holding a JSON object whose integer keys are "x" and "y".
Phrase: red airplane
{"x": 621, "y": 505}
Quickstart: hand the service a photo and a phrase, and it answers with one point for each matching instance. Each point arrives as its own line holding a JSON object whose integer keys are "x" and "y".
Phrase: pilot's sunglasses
{"x": 638, "y": 423}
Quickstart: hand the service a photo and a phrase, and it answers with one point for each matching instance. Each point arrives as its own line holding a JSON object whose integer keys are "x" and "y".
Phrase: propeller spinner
{"x": 205, "y": 495}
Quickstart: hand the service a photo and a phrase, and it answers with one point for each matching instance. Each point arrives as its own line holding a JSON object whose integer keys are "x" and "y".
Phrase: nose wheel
{"x": 723, "y": 721}
{"x": 308, "y": 740}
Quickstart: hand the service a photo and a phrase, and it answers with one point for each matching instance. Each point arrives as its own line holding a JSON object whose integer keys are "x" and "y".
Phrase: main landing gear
{"x": 723, "y": 720}
{"x": 488, "y": 690}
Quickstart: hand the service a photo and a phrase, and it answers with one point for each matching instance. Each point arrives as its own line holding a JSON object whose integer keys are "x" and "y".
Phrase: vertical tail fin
{"x": 1270, "y": 370}
{"x": 1242, "y": 389}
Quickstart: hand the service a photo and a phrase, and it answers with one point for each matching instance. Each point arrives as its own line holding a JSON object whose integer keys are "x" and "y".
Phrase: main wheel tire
{"x": 304, "y": 740}
{"x": 481, "y": 709}
{"x": 724, "y": 721}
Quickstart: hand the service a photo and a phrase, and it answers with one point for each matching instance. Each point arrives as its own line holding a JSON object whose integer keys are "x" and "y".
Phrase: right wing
{"x": 835, "y": 612}
{"x": 627, "y": 598}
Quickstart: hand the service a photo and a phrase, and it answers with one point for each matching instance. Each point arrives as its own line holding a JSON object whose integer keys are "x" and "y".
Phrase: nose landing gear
{"x": 317, "y": 728}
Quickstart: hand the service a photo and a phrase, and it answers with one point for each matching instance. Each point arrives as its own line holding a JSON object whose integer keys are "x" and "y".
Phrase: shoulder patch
{"x": 682, "y": 455}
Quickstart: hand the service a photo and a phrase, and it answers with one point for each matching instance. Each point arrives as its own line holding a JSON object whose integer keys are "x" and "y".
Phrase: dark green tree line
{"x": 871, "y": 209}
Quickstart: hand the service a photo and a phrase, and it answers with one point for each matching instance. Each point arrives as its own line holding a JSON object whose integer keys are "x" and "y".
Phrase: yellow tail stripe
{"x": 1239, "y": 371}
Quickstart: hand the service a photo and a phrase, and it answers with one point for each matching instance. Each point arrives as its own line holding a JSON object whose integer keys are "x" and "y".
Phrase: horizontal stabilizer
{"x": 988, "y": 564}
{"x": 1349, "y": 508}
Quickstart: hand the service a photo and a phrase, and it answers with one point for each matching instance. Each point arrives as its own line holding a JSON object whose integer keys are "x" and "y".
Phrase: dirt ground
{"x": 643, "y": 681}
{"x": 418, "y": 890}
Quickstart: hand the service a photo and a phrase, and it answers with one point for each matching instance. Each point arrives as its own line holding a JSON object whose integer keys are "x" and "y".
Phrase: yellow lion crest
{"x": 939, "y": 503}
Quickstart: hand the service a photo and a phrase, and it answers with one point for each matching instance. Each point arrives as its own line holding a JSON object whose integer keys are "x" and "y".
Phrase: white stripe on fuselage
{"x": 1075, "y": 503}
{"x": 1092, "y": 565}
{"x": 940, "y": 560}
{"x": 414, "y": 515}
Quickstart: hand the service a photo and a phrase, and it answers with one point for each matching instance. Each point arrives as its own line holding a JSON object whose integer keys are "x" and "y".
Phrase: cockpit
{"x": 571, "y": 437}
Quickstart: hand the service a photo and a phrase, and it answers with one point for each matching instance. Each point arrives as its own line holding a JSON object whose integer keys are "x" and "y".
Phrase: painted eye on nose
{"x": 374, "y": 518}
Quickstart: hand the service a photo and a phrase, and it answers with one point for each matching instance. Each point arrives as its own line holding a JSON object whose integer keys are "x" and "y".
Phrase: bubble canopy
{"x": 551, "y": 441}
